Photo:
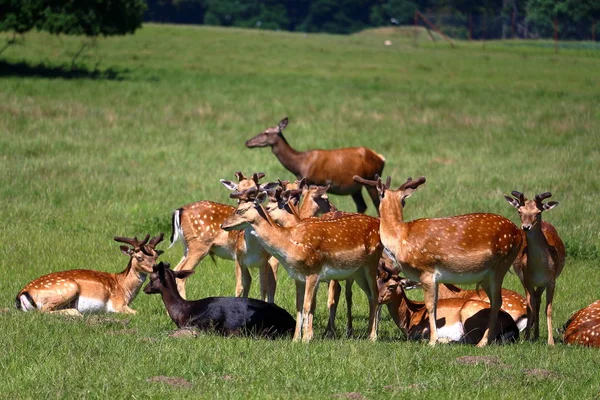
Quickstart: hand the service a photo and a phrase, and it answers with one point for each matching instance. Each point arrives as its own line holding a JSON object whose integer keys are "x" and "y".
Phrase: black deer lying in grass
{"x": 223, "y": 315}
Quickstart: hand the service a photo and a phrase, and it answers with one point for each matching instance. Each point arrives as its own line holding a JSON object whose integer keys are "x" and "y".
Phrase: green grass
{"x": 89, "y": 154}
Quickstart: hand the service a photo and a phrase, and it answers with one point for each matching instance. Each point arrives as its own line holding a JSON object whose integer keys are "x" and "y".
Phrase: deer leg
{"x": 348, "y": 292}
{"x": 333, "y": 298}
{"x": 492, "y": 285}
{"x": 430, "y": 296}
{"x": 300, "y": 288}
{"x": 192, "y": 256}
{"x": 372, "y": 191}
{"x": 267, "y": 281}
{"x": 361, "y": 206}
{"x": 242, "y": 288}
{"x": 312, "y": 282}
{"x": 549, "y": 298}
{"x": 538, "y": 304}
{"x": 272, "y": 282}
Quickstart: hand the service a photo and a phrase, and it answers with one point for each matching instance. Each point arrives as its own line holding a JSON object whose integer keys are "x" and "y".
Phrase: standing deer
{"x": 471, "y": 248}
{"x": 325, "y": 167}
{"x": 541, "y": 260}
{"x": 315, "y": 250}
{"x": 512, "y": 302}
{"x": 583, "y": 327}
{"x": 198, "y": 226}
{"x": 458, "y": 319}
{"x": 80, "y": 291}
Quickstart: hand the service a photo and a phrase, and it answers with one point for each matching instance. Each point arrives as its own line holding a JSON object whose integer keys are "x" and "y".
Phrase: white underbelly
{"x": 331, "y": 273}
{"x": 223, "y": 253}
{"x": 90, "y": 304}
{"x": 453, "y": 333}
{"x": 444, "y": 276}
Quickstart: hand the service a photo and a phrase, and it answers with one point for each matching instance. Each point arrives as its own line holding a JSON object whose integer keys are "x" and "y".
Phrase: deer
{"x": 315, "y": 250}
{"x": 460, "y": 320}
{"x": 197, "y": 225}
{"x": 79, "y": 291}
{"x": 512, "y": 302}
{"x": 325, "y": 167}
{"x": 223, "y": 315}
{"x": 583, "y": 326}
{"x": 471, "y": 248}
{"x": 541, "y": 260}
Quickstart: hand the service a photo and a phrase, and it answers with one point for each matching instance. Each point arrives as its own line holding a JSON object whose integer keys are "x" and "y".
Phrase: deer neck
{"x": 537, "y": 245}
{"x": 130, "y": 281}
{"x": 402, "y": 309}
{"x": 392, "y": 226}
{"x": 174, "y": 303}
{"x": 291, "y": 159}
{"x": 273, "y": 238}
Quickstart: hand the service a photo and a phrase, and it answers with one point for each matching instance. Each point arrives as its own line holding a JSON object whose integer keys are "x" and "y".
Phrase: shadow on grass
{"x": 23, "y": 69}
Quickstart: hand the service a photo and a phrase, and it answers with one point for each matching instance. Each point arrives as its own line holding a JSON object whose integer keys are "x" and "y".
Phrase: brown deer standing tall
{"x": 315, "y": 250}
{"x": 471, "y": 248}
{"x": 541, "y": 260}
{"x": 325, "y": 167}
{"x": 82, "y": 290}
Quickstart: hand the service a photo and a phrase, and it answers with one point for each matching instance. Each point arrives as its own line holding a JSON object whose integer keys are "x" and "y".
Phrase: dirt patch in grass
{"x": 184, "y": 333}
{"x": 4, "y": 310}
{"x": 175, "y": 381}
{"x": 130, "y": 331}
{"x": 540, "y": 373}
{"x": 399, "y": 388}
{"x": 95, "y": 320}
{"x": 485, "y": 360}
{"x": 349, "y": 395}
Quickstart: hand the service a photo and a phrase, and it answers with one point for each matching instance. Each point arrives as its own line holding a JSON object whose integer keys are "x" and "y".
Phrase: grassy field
{"x": 150, "y": 122}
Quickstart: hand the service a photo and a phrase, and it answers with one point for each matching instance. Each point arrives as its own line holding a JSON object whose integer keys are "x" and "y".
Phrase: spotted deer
{"x": 471, "y": 248}
{"x": 315, "y": 250}
{"x": 78, "y": 291}
{"x": 325, "y": 167}
{"x": 198, "y": 226}
{"x": 512, "y": 302}
{"x": 583, "y": 327}
{"x": 541, "y": 260}
{"x": 460, "y": 320}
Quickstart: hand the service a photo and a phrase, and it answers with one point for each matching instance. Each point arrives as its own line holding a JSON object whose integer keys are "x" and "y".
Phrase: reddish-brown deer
{"x": 472, "y": 248}
{"x": 583, "y": 327}
{"x": 458, "y": 319}
{"x": 512, "y": 302}
{"x": 325, "y": 167}
{"x": 81, "y": 290}
{"x": 316, "y": 250}
{"x": 198, "y": 226}
{"x": 541, "y": 260}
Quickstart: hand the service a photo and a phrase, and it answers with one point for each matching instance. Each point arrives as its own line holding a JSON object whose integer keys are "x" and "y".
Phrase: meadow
{"x": 150, "y": 122}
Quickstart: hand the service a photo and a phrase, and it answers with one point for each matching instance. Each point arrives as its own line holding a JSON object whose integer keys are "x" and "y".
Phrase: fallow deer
{"x": 325, "y": 167}
{"x": 541, "y": 260}
{"x": 583, "y": 327}
{"x": 512, "y": 302}
{"x": 458, "y": 319}
{"x": 80, "y": 291}
{"x": 223, "y": 315}
{"x": 315, "y": 250}
{"x": 472, "y": 248}
{"x": 197, "y": 225}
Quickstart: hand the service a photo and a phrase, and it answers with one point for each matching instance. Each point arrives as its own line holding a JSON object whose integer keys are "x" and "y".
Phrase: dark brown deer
{"x": 471, "y": 248}
{"x": 315, "y": 250}
{"x": 223, "y": 315}
{"x": 583, "y": 327}
{"x": 82, "y": 290}
{"x": 458, "y": 319}
{"x": 333, "y": 168}
{"x": 541, "y": 260}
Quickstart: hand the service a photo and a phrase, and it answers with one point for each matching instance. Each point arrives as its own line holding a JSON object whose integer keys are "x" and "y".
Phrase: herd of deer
{"x": 295, "y": 225}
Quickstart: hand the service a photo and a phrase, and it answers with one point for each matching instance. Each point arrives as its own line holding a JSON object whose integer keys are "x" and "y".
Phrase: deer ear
{"x": 229, "y": 185}
{"x": 260, "y": 198}
{"x": 182, "y": 274}
{"x": 406, "y": 193}
{"x": 550, "y": 205}
{"x": 126, "y": 250}
{"x": 283, "y": 123}
{"x": 512, "y": 201}
{"x": 269, "y": 185}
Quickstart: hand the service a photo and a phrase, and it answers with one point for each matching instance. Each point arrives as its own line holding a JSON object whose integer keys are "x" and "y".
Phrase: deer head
{"x": 269, "y": 136}
{"x": 142, "y": 252}
{"x": 402, "y": 193}
{"x": 530, "y": 211}
{"x": 388, "y": 283}
{"x": 163, "y": 277}
{"x": 249, "y": 209}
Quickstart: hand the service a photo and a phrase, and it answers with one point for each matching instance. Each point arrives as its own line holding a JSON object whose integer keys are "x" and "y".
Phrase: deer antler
{"x": 135, "y": 243}
{"x": 519, "y": 196}
{"x": 539, "y": 198}
{"x": 156, "y": 240}
{"x": 366, "y": 182}
{"x": 246, "y": 195}
{"x": 240, "y": 176}
{"x": 412, "y": 184}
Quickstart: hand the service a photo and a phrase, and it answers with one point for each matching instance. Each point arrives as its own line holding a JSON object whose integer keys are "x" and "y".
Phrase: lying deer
{"x": 325, "y": 167}
{"x": 223, "y": 315}
{"x": 81, "y": 290}
{"x": 198, "y": 226}
{"x": 583, "y": 327}
{"x": 471, "y": 248}
{"x": 541, "y": 261}
{"x": 458, "y": 319}
{"x": 315, "y": 250}
{"x": 512, "y": 302}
